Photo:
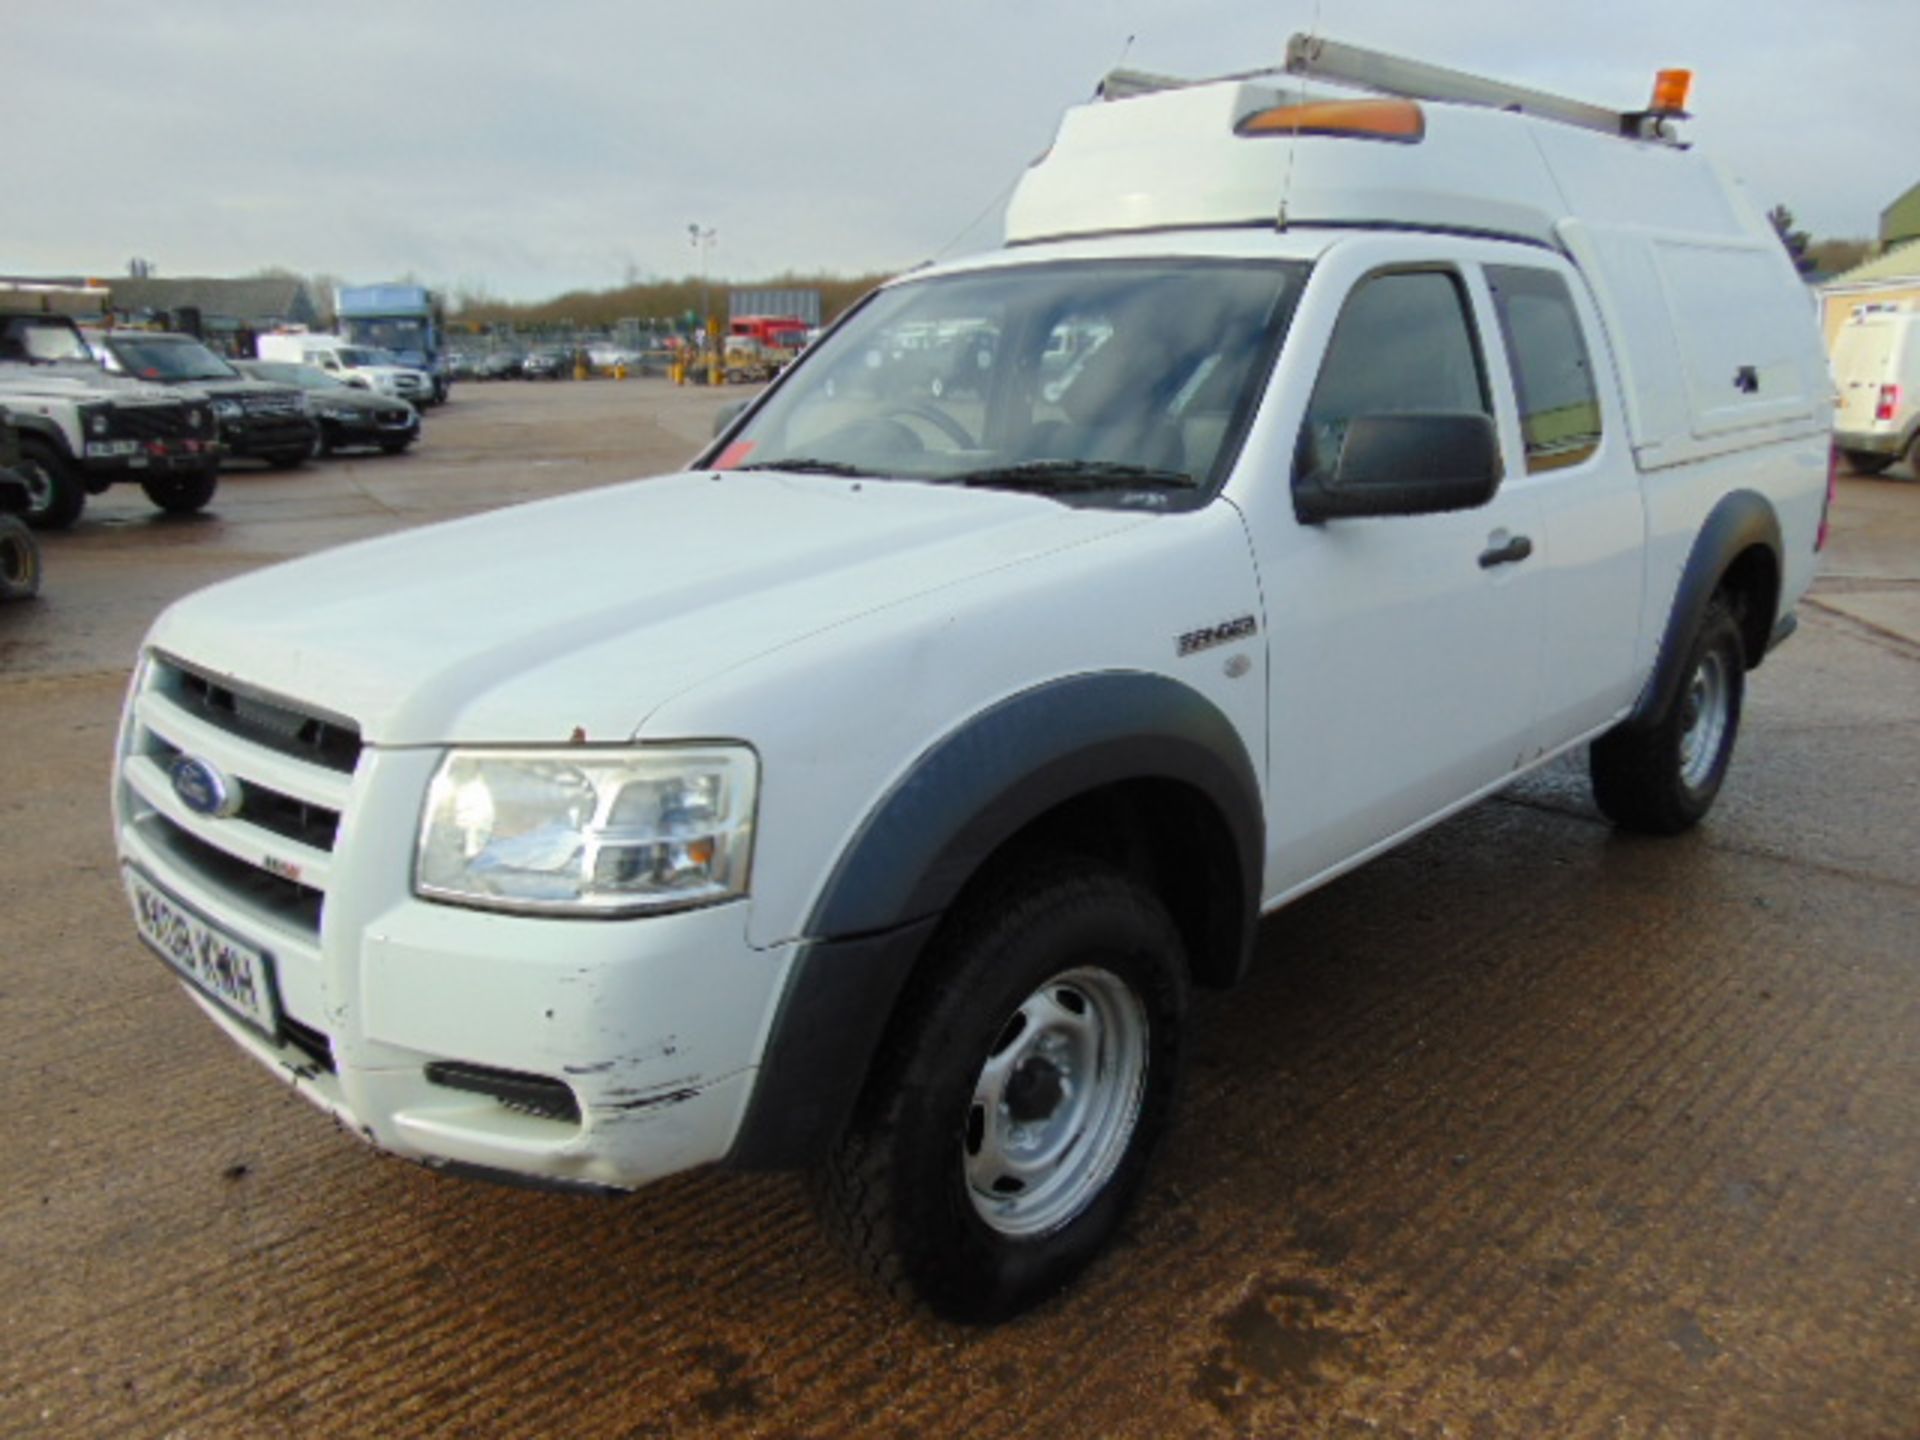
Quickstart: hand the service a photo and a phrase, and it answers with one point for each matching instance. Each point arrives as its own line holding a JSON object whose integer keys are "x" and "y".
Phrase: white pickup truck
{"x": 868, "y": 796}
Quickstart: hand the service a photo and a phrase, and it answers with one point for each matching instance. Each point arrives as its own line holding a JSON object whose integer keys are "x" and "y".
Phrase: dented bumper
{"x": 577, "y": 1052}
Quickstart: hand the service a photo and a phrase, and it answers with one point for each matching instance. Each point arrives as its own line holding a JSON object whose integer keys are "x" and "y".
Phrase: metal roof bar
{"x": 1391, "y": 75}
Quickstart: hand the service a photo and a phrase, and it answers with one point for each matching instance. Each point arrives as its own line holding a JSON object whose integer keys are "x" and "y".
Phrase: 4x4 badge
{"x": 1225, "y": 633}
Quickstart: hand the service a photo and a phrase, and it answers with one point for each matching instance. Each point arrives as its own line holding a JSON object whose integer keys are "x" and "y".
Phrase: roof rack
{"x": 1416, "y": 80}
{"x": 1376, "y": 70}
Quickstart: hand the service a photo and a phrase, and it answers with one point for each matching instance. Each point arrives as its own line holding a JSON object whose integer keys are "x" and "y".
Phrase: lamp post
{"x": 702, "y": 240}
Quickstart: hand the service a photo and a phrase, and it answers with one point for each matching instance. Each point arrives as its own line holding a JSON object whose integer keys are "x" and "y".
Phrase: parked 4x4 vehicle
{"x": 257, "y": 421}
{"x": 348, "y": 416}
{"x": 870, "y": 796}
{"x": 81, "y": 430}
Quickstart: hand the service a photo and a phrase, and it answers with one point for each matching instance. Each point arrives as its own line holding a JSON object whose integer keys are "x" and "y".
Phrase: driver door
{"x": 1405, "y": 649}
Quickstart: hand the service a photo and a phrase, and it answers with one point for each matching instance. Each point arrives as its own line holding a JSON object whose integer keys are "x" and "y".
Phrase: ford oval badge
{"x": 202, "y": 788}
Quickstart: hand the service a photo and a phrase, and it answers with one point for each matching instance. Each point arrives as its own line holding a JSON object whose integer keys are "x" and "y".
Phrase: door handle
{"x": 1511, "y": 553}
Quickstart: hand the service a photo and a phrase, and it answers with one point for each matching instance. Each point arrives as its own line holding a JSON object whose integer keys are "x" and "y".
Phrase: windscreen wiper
{"x": 807, "y": 465}
{"x": 1063, "y": 476}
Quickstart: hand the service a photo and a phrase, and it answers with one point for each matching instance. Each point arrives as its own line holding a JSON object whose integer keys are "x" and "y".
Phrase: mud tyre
{"x": 19, "y": 560}
{"x": 182, "y": 494}
{"x": 1661, "y": 779}
{"x": 55, "y": 494}
{"x": 1014, "y": 1109}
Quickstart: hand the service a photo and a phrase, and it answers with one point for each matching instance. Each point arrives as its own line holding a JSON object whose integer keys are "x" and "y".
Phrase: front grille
{"x": 296, "y": 905}
{"x": 150, "y": 422}
{"x": 288, "y": 816}
{"x": 315, "y": 738}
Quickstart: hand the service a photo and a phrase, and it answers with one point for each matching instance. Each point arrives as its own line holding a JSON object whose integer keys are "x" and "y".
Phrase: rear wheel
{"x": 1009, "y": 1125}
{"x": 55, "y": 495}
{"x": 19, "y": 560}
{"x": 1662, "y": 778}
{"x": 1867, "y": 462}
{"x": 182, "y": 494}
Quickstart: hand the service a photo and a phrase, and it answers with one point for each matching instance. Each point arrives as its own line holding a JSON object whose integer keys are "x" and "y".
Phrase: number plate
{"x": 233, "y": 973}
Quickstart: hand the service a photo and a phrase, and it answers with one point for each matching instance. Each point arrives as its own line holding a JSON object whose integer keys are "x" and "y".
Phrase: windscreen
{"x": 169, "y": 360}
{"x": 390, "y": 334}
{"x": 1089, "y": 375}
{"x": 31, "y": 338}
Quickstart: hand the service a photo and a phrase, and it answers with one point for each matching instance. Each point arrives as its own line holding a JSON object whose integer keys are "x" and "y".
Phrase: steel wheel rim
{"x": 1054, "y": 1107}
{"x": 39, "y": 486}
{"x": 1707, "y": 703}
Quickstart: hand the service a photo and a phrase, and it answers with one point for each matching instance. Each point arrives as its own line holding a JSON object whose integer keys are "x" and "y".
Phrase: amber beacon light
{"x": 1670, "y": 89}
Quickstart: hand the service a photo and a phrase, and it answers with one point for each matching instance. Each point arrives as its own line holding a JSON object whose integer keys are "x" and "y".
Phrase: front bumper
{"x": 107, "y": 461}
{"x": 345, "y": 431}
{"x": 267, "y": 437}
{"x": 648, "y": 1031}
{"x": 1870, "y": 442}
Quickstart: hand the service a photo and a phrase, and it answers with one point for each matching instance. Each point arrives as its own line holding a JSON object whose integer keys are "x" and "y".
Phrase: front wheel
{"x": 1662, "y": 778}
{"x": 55, "y": 494}
{"x": 182, "y": 494}
{"x": 1009, "y": 1125}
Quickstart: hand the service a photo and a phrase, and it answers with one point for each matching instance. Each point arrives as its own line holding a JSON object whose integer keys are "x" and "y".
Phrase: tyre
{"x": 1867, "y": 462}
{"x": 395, "y": 447}
{"x": 1662, "y": 778}
{"x": 290, "y": 459}
{"x": 19, "y": 560}
{"x": 182, "y": 494}
{"x": 1011, "y": 1116}
{"x": 55, "y": 495}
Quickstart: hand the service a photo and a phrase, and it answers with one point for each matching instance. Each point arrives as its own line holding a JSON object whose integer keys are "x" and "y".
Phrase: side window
{"x": 1404, "y": 344}
{"x": 1552, "y": 373}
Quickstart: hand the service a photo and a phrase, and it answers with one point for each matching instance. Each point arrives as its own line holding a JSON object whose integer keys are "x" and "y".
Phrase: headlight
{"x": 228, "y": 409}
{"x": 589, "y": 832}
{"x": 98, "y": 424}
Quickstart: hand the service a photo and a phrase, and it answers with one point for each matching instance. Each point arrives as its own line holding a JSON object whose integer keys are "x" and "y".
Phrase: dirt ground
{"x": 1527, "y": 1129}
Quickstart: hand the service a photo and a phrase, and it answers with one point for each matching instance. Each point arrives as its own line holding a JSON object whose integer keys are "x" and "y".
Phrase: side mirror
{"x": 727, "y": 414}
{"x": 1404, "y": 465}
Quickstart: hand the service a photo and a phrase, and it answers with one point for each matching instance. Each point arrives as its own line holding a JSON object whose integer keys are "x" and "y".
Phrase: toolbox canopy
{"x": 1708, "y": 319}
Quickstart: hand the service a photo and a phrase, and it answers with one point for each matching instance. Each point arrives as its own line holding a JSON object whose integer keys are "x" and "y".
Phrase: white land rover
{"x": 868, "y": 796}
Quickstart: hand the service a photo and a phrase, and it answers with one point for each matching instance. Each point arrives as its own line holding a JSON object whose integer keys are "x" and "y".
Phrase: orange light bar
{"x": 1397, "y": 120}
{"x": 1670, "y": 88}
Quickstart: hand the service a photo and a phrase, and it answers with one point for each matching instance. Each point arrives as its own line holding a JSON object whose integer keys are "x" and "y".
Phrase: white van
{"x": 1876, "y": 365}
{"x": 871, "y": 794}
{"x": 350, "y": 364}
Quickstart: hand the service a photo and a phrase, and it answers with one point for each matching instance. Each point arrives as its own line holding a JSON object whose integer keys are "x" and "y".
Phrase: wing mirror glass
{"x": 1421, "y": 464}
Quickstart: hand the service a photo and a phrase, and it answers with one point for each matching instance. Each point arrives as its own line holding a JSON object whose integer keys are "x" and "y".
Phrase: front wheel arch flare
{"x": 992, "y": 777}
{"x": 996, "y": 780}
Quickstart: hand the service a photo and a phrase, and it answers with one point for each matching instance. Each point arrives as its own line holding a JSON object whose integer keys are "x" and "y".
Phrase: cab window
{"x": 1552, "y": 372}
{"x": 1404, "y": 344}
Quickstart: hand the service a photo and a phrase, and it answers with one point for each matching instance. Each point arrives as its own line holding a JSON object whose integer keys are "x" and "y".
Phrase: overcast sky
{"x": 531, "y": 147}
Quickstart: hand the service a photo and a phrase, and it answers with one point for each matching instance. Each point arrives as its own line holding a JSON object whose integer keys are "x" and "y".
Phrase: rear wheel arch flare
{"x": 1738, "y": 551}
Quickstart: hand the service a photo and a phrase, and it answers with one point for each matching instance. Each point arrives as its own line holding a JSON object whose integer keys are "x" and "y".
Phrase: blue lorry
{"x": 408, "y": 321}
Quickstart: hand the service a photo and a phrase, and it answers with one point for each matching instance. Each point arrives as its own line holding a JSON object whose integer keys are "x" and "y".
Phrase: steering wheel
{"x": 938, "y": 419}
